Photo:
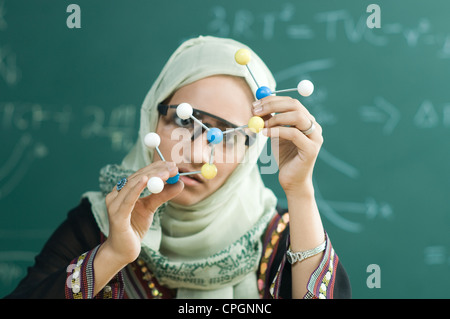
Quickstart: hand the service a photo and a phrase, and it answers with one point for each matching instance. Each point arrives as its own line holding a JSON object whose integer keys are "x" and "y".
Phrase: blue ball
{"x": 214, "y": 135}
{"x": 262, "y": 92}
{"x": 173, "y": 179}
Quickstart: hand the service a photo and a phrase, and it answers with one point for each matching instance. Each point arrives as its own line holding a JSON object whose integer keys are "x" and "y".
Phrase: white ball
{"x": 155, "y": 185}
{"x": 152, "y": 140}
{"x": 305, "y": 88}
{"x": 184, "y": 111}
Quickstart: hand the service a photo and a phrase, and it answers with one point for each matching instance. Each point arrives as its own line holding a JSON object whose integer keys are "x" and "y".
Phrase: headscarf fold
{"x": 210, "y": 249}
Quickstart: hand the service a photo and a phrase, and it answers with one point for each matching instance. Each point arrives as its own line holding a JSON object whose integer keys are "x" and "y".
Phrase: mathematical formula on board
{"x": 27, "y": 122}
{"x": 332, "y": 26}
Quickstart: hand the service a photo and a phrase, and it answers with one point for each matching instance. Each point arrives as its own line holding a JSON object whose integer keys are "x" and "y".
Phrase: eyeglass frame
{"x": 249, "y": 140}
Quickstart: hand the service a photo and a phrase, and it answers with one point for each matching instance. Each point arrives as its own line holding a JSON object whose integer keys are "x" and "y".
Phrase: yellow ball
{"x": 242, "y": 56}
{"x": 256, "y": 124}
{"x": 209, "y": 171}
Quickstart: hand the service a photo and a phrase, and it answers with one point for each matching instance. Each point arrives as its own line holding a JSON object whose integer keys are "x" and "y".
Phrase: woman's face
{"x": 224, "y": 96}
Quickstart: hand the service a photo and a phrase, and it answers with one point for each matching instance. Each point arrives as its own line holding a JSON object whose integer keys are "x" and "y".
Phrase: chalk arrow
{"x": 381, "y": 112}
{"x": 335, "y": 211}
{"x": 370, "y": 208}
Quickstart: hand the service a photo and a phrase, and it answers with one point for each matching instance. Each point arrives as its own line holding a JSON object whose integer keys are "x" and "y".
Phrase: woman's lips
{"x": 190, "y": 180}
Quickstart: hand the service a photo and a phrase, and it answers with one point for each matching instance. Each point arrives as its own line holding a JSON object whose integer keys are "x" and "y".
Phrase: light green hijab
{"x": 210, "y": 249}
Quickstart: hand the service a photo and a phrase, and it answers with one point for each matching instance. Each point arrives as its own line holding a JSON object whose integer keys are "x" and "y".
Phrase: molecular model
{"x": 214, "y": 135}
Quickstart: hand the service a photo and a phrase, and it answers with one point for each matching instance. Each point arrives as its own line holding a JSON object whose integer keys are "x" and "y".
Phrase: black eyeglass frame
{"x": 249, "y": 140}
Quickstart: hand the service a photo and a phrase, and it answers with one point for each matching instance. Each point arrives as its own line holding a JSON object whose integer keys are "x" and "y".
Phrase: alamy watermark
{"x": 187, "y": 151}
{"x": 374, "y": 279}
{"x": 374, "y": 19}
{"x": 73, "y": 21}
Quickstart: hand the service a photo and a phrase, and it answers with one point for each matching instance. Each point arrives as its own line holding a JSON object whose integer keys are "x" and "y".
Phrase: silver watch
{"x": 302, "y": 255}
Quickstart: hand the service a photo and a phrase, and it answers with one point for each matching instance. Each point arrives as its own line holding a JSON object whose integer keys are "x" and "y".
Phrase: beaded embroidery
{"x": 76, "y": 284}
{"x": 80, "y": 281}
{"x": 147, "y": 276}
{"x": 154, "y": 290}
{"x": 270, "y": 245}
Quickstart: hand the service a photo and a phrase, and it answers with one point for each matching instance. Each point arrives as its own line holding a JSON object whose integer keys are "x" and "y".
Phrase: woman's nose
{"x": 201, "y": 149}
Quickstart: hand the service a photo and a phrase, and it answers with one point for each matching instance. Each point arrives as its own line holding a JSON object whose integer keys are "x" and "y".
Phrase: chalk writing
{"x": 331, "y": 25}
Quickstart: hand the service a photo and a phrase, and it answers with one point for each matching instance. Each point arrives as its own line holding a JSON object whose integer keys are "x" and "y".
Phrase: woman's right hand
{"x": 130, "y": 217}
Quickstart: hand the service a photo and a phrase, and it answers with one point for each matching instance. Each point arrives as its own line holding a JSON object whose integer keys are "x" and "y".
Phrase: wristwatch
{"x": 302, "y": 255}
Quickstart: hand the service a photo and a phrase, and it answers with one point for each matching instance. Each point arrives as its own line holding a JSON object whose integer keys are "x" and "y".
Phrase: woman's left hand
{"x": 295, "y": 152}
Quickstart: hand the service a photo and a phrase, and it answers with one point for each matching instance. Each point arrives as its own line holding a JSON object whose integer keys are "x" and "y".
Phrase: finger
{"x": 127, "y": 198}
{"x": 115, "y": 191}
{"x": 110, "y": 196}
{"x": 160, "y": 169}
{"x": 157, "y": 167}
{"x": 167, "y": 172}
{"x": 317, "y": 133}
{"x": 278, "y": 104}
{"x": 296, "y": 119}
{"x": 153, "y": 201}
{"x": 300, "y": 140}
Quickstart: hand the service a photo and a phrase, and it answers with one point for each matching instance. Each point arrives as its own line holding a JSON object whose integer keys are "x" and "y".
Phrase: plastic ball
{"x": 173, "y": 179}
{"x": 255, "y": 124}
{"x": 242, "y": 56}
{"x": 214, "y": 135}
{"x": 155, "y": 185}
{"x": 305, "y": 88}
{"x": 184, "y": 111}
{"x": 209, "y": 171}
{"x": 262, "y": 92}
{"x": 152, "y": 140}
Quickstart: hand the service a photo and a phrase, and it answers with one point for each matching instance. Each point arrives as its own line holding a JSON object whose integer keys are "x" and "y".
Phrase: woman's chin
{"x": 186, "y": 198}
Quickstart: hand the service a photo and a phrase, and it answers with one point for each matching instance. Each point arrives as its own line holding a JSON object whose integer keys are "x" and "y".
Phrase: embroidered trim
{"x": 276, "y": 227}
{"x": 321, "y": 283}
{"x": 324, "y": 285}
{"x": 80, "y": 279}
{"x": 75, "y": 282}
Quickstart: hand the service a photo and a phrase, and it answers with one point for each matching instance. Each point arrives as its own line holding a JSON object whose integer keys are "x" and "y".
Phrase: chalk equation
{"x": 9, "y": 70}
{"x": 29, "y": 123}
{"x": 436, "y": 255}
{"x": 3, "y": 24}
{"x": 13, "y": 266}
{"x": 331, "y": 26}
{"x": 118, "y": 125}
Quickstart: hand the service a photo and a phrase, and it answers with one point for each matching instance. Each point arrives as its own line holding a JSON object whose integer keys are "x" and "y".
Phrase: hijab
{"x": 210, "y": 249}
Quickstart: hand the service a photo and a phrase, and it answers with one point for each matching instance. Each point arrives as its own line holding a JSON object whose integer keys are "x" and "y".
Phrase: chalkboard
{"x": 70, "y": 99}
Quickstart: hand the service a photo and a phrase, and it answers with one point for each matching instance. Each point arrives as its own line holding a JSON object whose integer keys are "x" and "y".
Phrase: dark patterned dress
{"x": 64, "y": 267}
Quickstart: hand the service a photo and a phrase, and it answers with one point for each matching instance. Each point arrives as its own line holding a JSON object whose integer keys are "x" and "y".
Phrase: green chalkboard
{"x": 70, "y": 99}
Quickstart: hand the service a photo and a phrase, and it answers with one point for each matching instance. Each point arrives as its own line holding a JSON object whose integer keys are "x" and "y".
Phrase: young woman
{"x": 200, "y": 238}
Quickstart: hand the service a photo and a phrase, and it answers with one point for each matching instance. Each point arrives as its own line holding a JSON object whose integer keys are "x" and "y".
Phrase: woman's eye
{"x": 182, "y": 123}
{"x": 232, "y": 139}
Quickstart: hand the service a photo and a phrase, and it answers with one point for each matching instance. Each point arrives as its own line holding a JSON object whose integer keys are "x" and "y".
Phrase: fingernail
{"x": 256, "y": 103}
{"x": 162, "y": 174}
{"x": 173, "y": 169}
{"x": 257, "y": 110}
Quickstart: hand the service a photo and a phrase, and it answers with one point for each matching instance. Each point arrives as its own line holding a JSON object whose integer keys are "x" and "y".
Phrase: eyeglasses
{"x": 232, "y": 137}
